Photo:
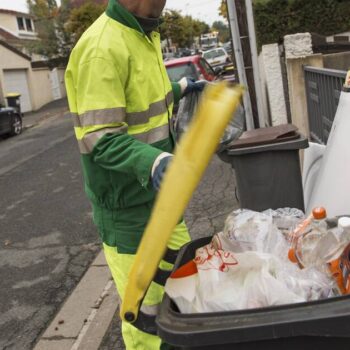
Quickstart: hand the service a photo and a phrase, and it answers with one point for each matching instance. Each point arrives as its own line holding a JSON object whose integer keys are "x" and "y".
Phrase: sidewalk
{"x": 89, "y": 318}
{"x": 50, "y": 110}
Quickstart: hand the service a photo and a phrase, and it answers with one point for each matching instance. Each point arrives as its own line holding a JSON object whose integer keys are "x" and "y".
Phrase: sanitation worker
{"x": 121, "y": 101}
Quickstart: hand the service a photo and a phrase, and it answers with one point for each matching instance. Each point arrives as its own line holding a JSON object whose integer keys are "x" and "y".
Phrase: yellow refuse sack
{"x": 191, "y": 158}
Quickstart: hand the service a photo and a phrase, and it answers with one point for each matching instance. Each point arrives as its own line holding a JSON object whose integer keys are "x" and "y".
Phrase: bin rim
{"x": 326, "y": 317}
{"x": 13, "y": 94}
{"x": 290, "y": 145}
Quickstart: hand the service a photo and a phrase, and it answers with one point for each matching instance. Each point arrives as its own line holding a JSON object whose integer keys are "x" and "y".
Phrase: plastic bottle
{"x": 318, "y": 246}
{"x": 332, "y": 244}
{"x": 344, "y": 224}
{"x": 307, "y": 246}
{"x": 340, "y": 267}
{"x": 306, "y": 235}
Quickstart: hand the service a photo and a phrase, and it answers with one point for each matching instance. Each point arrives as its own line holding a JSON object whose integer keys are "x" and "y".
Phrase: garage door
{"x": 16, "y": 81}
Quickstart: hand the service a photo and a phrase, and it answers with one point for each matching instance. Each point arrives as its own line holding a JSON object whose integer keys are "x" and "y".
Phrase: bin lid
{"x": 263, "y": 136}
{"x": 13, "y": 94}
{"x": 281, "y": 137}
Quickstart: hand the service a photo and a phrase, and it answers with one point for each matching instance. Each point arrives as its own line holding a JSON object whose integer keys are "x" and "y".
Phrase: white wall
{"x": 9, "y": 22}
{"x": 40, "y": 87}
{"x": 61, "y": 72}
{"x": 274, "y": 81}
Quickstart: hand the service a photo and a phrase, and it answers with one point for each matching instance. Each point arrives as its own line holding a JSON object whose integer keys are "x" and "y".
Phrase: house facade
{"x": 21, "y": 72}
{"x": 17, "y": 29}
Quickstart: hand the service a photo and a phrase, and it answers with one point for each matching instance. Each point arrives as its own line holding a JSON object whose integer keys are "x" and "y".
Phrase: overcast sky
{"x": 206, "y": 10}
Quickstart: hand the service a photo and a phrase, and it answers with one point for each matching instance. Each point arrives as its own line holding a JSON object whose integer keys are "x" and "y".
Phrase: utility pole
{"x": 243, "y": 37}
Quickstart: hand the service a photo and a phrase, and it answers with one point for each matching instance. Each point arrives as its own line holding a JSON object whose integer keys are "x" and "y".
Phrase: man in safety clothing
{"x": 121, "y": 101}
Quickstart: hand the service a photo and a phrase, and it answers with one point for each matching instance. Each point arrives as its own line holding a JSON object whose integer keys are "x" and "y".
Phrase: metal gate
{"x": 323, "y": 87}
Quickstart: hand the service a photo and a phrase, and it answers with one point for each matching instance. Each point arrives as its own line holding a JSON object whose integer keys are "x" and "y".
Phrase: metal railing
{"x": 323, "y": 87}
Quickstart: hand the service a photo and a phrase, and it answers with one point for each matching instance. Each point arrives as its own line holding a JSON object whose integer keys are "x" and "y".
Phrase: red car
{"x": 194, "y": 67}
{"x": 198, "y": 68}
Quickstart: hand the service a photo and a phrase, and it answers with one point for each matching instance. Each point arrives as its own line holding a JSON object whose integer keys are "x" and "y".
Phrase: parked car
{"x": 198, "y": 68}
{"x": 217, "y": 57}
{"x": 194, "y": 67}
{"x": 10, "y": 121}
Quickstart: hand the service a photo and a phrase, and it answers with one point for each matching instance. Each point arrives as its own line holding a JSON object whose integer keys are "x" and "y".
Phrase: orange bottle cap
{"x": 319, "y": 213}
{"x": 291, "y": 256}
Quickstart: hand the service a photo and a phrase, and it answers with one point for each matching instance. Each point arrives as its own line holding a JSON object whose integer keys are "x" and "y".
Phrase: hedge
{"x": 276, "y": 18}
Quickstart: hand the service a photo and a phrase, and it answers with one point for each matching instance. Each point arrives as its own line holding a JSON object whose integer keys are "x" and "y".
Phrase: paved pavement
{"x": 51, "y": 110}
{"x": 89, "y": 320}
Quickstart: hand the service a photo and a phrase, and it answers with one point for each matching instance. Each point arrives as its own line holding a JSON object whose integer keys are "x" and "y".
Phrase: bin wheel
{"x": 16, "y": 127}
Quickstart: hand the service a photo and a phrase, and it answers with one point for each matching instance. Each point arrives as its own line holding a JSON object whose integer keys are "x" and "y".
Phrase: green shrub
{"x": 276, "y": 18}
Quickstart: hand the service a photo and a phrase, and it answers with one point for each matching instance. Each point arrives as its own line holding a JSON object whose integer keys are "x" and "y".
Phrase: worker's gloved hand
{"x": 189, "y": 85}
{"x": 159, "y": 167}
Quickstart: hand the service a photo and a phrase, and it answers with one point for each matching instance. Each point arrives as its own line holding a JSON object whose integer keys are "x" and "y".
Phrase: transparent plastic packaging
{"x": 247, "y": 266}
{"x": 317, "y": 245}
{"x": 247, "y": 230}
{"x": 187, "y": 109}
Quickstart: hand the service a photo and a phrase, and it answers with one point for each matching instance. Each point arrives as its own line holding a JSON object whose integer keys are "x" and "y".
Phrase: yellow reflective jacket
{"x": 121, "y": 101}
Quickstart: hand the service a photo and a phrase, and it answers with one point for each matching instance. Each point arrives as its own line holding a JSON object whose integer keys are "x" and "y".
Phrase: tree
{"x": 276, "y": 18}
{"x": 82, "y": 17}
{"x": 222, "y": 29}
{"x": 59, "y": 28}
{"x": 223, "y": 9}
{"x": 45, "y": 13}
{"x": 181, "y": 30}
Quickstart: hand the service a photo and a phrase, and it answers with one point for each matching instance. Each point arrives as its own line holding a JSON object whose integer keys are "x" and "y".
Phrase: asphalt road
{"x": 47, "y": 239}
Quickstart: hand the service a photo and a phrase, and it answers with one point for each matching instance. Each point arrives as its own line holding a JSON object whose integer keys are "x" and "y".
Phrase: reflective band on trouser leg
{"x": 120, "y": 265}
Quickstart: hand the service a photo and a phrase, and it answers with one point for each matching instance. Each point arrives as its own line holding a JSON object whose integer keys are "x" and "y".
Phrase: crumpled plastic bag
{"x": 286, "y": 219}
{"x": 246, "y": 266}
{"x": 226, "y": 281}
{"x": 187, "y": 109}
{"x": 249, "y": 230}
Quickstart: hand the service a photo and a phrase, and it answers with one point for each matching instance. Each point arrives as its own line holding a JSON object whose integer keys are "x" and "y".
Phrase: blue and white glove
{"x": 158, "y": 169}
{"x": 189, "y": 85}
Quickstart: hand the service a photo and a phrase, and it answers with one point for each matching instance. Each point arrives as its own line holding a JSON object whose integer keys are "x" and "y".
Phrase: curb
{"x": 86, "y": 315}
{"x": 44, "y": 118}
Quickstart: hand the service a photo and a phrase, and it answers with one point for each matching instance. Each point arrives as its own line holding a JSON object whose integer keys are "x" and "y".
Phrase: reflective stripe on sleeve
{"x": 99, "y": 117}
{"x": 88, "y": 142}
{"x": 153, "y": 135}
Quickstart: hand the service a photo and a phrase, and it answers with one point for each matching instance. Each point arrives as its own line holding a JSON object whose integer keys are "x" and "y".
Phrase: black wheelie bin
{"x": 321, "y": 325}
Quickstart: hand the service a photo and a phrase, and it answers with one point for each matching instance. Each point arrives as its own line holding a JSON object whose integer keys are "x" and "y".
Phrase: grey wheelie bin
{"x": 267, "y": 167}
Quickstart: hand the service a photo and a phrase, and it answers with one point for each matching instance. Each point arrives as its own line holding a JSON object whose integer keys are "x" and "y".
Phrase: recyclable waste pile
{"x": 265, "y": 259}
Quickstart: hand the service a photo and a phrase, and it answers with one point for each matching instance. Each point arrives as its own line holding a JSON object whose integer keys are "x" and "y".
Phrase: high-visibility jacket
{"x": 121, "y": 101}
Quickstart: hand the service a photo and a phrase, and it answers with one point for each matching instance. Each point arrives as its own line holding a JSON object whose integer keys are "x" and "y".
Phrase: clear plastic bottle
{"x": 310, "y": 227}
{"x": 340, "y": 266}
{"x": 305, "y": 248}
{"x": 316, "y": 245}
